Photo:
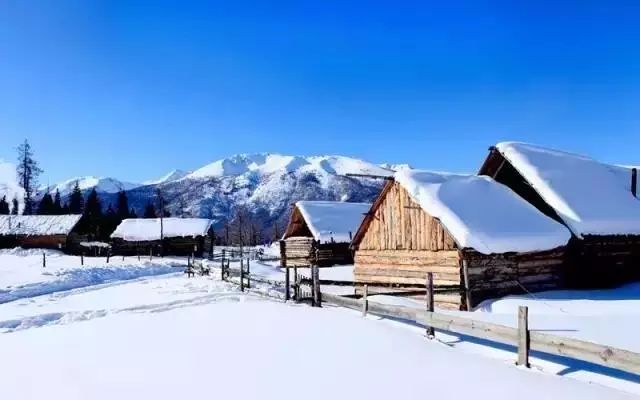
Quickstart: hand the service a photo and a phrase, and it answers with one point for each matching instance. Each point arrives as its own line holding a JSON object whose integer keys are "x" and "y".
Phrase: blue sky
{"x": 132, "y": 89}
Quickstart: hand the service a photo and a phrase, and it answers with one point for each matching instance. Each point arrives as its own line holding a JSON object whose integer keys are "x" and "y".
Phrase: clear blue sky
{"x": 133, "y": 89}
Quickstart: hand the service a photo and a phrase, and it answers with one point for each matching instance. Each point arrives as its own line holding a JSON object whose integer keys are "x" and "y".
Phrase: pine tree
{"x": 132, "y": 213}
{"x": 150, "y": 211}
{"x": 123, "y": 206}
{"x": 93, "y": 214}
{"x": 46, "y": 206}
{"x": 76, "y": 201}
{"x": 28, "y": 172}
{"x": 57, "y": 203}
{"x": 4, "y": 206}
{"x": 65, "y": 209}
{"x": 15, "y": 207}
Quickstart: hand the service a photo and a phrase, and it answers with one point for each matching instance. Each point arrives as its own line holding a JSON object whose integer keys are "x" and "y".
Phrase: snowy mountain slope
{"x": 9, "y": 182}
{"x": 174, "y": 175}
{"x": 86, "y": 183}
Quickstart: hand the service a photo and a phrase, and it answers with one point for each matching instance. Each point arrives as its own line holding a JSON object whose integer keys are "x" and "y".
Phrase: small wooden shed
{"x": 166, "y": 236}
{"x": 595, "y": 201}
{"x": 476, "y": 236}
{"x": 320, "y": 232}
{"x": 38, "y": 231}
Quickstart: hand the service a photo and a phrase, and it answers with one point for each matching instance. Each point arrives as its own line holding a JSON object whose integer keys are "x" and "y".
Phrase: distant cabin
{"x": 594, "y": 200}
{"x": 320, "y": 232}
{"x": 180, "y": 236}
{"x": 39, "y": 231}
{"x": 478, "y": 238}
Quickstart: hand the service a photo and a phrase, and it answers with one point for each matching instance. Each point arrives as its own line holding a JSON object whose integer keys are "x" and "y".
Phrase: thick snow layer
{"x": 32, "y": 225}
{"x": 9, "y": 186}
{"x": 103, "y": 347}
{"x": 332, "y": 220}
{"x": 169, "y": 177}
{"x": 482, "y": 214}
{"x": 142, "y": 229}
{"x": 104, "y": 185}
{"x": 591, "y": 197}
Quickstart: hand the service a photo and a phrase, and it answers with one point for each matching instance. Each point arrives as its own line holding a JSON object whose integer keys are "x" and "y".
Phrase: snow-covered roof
{"x": 333, "y": 220}
{"x": 481, "y": 213}
{"x": 591, "y": 197}
{"x": 143, "y": 229}
{"x": 37, "y": 225}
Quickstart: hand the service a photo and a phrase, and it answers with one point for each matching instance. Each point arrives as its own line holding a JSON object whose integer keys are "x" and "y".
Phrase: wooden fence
{"x": 521, "y": 337}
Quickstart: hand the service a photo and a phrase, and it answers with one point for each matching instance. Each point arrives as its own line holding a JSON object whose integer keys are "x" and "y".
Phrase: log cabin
{"x": 166, "y": 236}
{"x": 476, "y": 236}
{"x": 320, "y": 232}
{"x": 595, "y": 201}
{"x": 38, "y": 231}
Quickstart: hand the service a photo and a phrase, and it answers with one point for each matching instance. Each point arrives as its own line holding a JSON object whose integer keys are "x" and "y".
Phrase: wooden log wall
{"x": 299, "y": 251}
{"x": 496, "y": 275}
{"x": 604, "y": 261}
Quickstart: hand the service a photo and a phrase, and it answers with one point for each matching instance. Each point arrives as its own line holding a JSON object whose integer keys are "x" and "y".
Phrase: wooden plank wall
{"x": 402, "y": 243}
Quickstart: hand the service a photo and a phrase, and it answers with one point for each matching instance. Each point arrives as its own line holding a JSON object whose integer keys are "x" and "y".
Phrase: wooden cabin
{"x": 595, "y": 201}
{"x": 164, "y": 236}
{"x": 477, "y": 237}
{"x": 320, "y": 232}
{"x": 39, "y": 231}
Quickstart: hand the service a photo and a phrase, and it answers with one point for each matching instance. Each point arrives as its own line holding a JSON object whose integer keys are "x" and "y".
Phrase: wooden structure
{"x": 320, "y": 233}
{"x": 171, "y": 236}
{"x": 595, "y": 201}
{"x": 39, "y": 231}
{"x": 400, "y": 242}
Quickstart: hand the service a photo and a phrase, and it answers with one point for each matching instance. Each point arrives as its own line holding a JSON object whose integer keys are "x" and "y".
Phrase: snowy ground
{"x": 167, "y": 336}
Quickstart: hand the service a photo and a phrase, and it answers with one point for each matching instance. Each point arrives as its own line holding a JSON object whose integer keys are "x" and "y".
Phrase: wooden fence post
{"x": 296, "y": 292}
{"x": 365, "y": 302}
{"x": 241, "y": 275}
{"x": 429, "y": 299}
{"x": 108, "y": 254}
{"x": 150, "y": 253}
{"x": 82, "y": 258}
{"x": 315, "y": 275}
{"x": 523, "y": 336}
{"x": 248, "y": 274}
{"x": 44, "y": 260}
{"x": 287, "y": 289}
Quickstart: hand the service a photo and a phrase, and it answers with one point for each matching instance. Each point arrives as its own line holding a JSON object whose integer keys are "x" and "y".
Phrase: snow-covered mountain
{"x": 86, "y": 183}
{"x": 174, "y": 175}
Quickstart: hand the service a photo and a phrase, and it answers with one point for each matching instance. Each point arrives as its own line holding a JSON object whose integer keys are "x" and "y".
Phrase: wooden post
{"x": 44, "y": 260}
{"x": 108, "y": 254}
{"x": 150, "y": 253}
{"x": 283, "y": 254}
{"x": 365, "y": 302}
{"x": 123, "y": 257}
{"x": 241, "y": 275}
{"x": 248, "y": 274}
{"x": 315, "y": 287}
{"x": 523, "y": 336}
{"x": 295, "y": 283}
{"x": 82, "y": 258}
{"x": 429, "y": 298}
{"x": 634, "y": 181}
{"x": 287, "y": 289}
{"x": 467, "y": 289}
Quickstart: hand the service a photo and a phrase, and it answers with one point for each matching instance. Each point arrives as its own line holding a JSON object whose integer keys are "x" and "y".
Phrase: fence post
{"x": 248, "y": 274}
{"x": 315, "y": 275}
{"x": 287, "y": 289}
{"x": 241, "y": 275}
{"x": 523, "y": 336}
{"x": 108, "y": 254}
{"x": 431, "y": 333}
{"x": 150, "y": 253}
{"x": 82, "y": 258}
{"x": 365, "y": 301}
{"x": 44, "y": 260}
{"x": 296, "y": 292}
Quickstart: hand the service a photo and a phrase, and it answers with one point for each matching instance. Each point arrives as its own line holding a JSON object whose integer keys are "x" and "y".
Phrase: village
{"x": 462, "y": 256}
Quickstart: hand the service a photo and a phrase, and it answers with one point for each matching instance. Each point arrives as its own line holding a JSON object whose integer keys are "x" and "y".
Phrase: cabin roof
{"x": 481, "y": 213}
{"x": 145, "y": 229}
{"x": 38, "y": 225}
{"x": 332, "y": 220}
{"x": 591, "y": 197}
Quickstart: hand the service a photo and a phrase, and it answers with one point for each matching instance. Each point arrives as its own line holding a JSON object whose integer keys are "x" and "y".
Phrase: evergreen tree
{"x": 123, "y": 206}
{"x": 93, "y": 215}
{"x": 14, "y": 206}
{"x": 28, "y": 172}
{"x": 76, "y": 201}
{"x": 65, "y": 209}
{"x": 132, "y": 213}
{"x": 4, "y": 206}
{"x": 46, "y": 206}
{"x": 149, "y": 211}
{"x": 57, "y": 203}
